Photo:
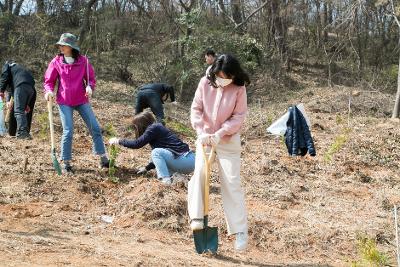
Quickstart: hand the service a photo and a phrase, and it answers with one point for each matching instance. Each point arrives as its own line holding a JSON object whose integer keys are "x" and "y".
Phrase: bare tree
{"x": 17, "y": 8}
{"x": 40, "y": 7}
{"x": 396, "y": 108}
{"x": 86, "y": 20}
{"x": 236, "y": 11}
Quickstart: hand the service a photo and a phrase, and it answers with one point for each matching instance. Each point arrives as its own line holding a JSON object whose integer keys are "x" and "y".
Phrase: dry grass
{"x": 305, "y": 210}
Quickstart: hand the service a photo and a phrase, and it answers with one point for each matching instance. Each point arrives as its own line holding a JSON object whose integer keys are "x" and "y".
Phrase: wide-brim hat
{"x": 69, "y": 39}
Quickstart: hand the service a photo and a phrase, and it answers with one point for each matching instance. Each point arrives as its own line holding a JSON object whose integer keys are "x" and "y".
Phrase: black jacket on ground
{"x": 14, "y": 75}
{"x": 298, "y": 137}
{"x": 161, "y": 88}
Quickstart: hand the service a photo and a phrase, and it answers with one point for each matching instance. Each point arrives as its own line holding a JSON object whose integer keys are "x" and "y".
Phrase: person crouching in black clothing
{"x": 20, "y": 85}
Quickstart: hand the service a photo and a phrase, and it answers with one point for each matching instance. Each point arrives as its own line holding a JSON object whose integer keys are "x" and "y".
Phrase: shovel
{"x": 206, "y": 240}
{"x": 56, "y": 165}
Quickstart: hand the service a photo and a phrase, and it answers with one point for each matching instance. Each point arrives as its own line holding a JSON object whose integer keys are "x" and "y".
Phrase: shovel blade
{"x": 206, "y": 240}
{"x": 56, "y": 165}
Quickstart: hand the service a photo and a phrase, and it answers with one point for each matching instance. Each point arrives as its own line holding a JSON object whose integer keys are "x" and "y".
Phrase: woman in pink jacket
{"x": 217, "y": 114}
{"x": 76, "y": 81}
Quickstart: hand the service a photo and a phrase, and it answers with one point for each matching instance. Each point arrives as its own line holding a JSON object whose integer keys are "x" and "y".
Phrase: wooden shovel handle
{"x": 207, "y": 165}
{"x": 51, "y": 122}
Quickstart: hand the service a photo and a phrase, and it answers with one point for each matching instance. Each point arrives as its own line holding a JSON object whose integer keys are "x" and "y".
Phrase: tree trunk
{"x": 236, "y": 11}
{"x": 86, "y": 20}
{"x": 279, "y": 31}
{"x": 10, "y": 6}
{"x": 17, "y": 8}
{"x": 40, "y": 7}
{"x": 325, "y": 22}
{"x": 117, "y": 8}
{"x": 396, "y": 109}
{"x": 318, "y": 20}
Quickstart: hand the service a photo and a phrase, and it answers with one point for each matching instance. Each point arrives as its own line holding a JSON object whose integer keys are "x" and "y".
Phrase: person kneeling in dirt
{"x": 76, "y": 81}
{"x": 153, "y": 96}
{"x": 217, "y": 113}
{"x": 169, "y": 154}
{"x": 21, "y": 98}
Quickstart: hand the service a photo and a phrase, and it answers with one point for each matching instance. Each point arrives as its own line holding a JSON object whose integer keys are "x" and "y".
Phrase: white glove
{"x": 48, "y": 95}
{"x": 214, "y": 139}
{"x": 175, "y": 103}
{"x": 142, "y": 170}
{"x": 204, "y": 139}
{"x": 114, "y": 141}
{"x": 89, "y": 91}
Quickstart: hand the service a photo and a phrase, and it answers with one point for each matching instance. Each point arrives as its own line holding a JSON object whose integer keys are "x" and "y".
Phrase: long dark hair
{"x": 229, "y": 65}
{"x": 75, "y": 54}
{"x": 141, "y": 121}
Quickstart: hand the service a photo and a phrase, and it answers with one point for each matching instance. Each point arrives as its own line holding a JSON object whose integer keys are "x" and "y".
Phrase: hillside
{"x": 302, "y": 211}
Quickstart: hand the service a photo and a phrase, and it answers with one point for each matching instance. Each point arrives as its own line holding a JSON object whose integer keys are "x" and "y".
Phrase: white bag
{"x": 279, "y": 126}
{"x": 3, "y": 129}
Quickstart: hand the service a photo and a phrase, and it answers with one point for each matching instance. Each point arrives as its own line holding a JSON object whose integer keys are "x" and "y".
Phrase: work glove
{"x": 175, "y": 103}
{"x": 27, "y": 109}
{"x": 1, "y": 95}
{"x": 89, "y": 91}
{"x": 215, "y": 139}
{"x": 142, "y": 170}
{"x": 114, "y": 141}
{"x": 48, "y": 95}
{"x": 204, "y": 139}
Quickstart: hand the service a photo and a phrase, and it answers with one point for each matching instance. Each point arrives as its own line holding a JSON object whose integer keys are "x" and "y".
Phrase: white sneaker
{"x": 241, "y": 241}
{"x": 166, "y": 180}
{"x": 197, "y": 224}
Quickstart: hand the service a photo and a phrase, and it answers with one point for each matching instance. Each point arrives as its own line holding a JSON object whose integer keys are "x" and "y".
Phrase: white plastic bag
{"x": 278, "y": 127}
{"x": 2, "y": 123}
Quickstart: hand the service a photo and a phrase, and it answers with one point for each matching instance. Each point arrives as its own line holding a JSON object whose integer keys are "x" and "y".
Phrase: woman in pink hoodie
{"x": 217, "y": 114}
{"x": 76, "y": 82}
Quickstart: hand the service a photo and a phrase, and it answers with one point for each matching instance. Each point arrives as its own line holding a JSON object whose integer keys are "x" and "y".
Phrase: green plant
{"x": 369, "y": 253}
{"x": 339, "y": 119}
{"x": 340, "y": 140}
{"x": 113, "y": 152}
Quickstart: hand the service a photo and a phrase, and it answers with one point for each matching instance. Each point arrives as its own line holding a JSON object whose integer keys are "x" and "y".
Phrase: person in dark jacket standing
{"x": 169, "y": 154}
{"x": 153, "y": 96}
{"x": 20, "y": 85}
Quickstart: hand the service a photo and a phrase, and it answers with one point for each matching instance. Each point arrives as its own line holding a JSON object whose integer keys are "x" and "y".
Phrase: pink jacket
{"x": 71, "y": 80}
{"x": 219, "y": 111}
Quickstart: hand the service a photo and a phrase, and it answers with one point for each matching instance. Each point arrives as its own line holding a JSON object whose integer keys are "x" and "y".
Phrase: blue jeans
{"x": 166, "y": 163}
{"x": 86, "y": 112}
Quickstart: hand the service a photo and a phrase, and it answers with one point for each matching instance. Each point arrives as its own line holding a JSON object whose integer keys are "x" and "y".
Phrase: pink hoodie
{"x": 71, "y": 80}
{"x": 219, "y": 111}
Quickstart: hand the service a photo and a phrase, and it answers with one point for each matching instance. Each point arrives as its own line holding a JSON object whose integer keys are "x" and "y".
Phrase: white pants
{"x": 228, "y": 159}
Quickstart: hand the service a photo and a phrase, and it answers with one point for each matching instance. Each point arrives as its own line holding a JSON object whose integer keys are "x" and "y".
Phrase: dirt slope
{"x": 302, "y": 211}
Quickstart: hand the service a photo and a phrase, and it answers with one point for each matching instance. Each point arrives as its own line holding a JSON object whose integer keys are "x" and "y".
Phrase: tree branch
{"x": 225, "y": 14}
{"x": 246, "y": 19}
{"x": 393, "y": 14}
{"x": 251, "y": 15}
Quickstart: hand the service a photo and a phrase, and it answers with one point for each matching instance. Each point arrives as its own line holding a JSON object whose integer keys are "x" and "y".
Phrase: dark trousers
{"x": 20, "y": 122}
{"x": 152, "y": 100}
